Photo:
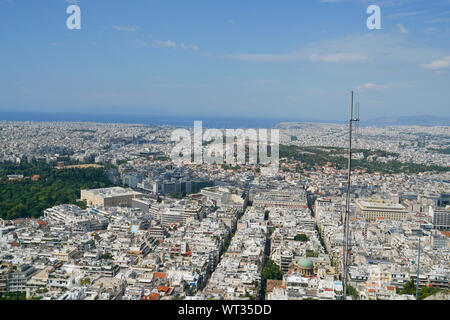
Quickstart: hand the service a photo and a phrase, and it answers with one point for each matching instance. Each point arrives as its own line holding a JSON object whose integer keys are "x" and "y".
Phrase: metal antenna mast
{"x": 418, "y": 273}
{"x": 353, "y": 118}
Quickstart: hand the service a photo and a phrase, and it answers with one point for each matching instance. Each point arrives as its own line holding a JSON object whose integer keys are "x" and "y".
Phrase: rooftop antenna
{"x": 357, "y": 122}
{"x": 354, "y": 117}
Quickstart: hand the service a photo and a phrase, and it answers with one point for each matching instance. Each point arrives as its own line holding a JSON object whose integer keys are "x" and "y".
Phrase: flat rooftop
{"x": 367, "y": 204}
{"x": 112, "y": 192}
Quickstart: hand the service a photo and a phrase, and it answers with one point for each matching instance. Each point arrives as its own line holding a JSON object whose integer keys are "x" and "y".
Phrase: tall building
{"x": 18, "y": 278}
{"x": 110, "y": 197}
{"x": 375, "y": 209}
{"x": 438, "y": 239}
{"x": 3, "y": 279}
{"x": 173, "y": 186}
{"x": 285, "y": 260}
{"x": 441, "y": 218}
{"x": 444, "y": 199}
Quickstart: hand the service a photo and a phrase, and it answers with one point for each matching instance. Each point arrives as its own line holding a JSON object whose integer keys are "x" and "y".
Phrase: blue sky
{"x": 248, "y": 58}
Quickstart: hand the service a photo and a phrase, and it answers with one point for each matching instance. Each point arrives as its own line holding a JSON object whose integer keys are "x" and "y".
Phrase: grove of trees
{"x": 320, "y": 156}
{"x": 28, "y": 199}
{"x": 410, "y": 288}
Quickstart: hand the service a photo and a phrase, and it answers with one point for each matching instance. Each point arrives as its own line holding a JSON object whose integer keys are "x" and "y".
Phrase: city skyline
{"x": 96, "y": 211}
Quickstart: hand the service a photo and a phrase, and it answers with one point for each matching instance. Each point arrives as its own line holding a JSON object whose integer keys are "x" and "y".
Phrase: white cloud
{"x": 266, "y": 81}
{"x": 381, "y": 3}
{"x": 353, "y": 48}
{"x": 435, "y": 21}
{"x": 375, "y": 87}
{"x": 298, "y": 56}
{"x": 441, "y": 64}
{"x": 127, "y": 28}
{"x": 402, "y": 29}
{"x": 142, "y": 42}
{"x": 339, "y": 57}
{"x": 430, "y": 30}
{"x": 367, "y": 87}
{"x": 265, "y": 57}
{"x": 172, "y": 44}
{"x": 387, "y": 49}
{"x": 164, "y": 44}
{"x": 406, "y": 14}
{"x": 25, "y": 91}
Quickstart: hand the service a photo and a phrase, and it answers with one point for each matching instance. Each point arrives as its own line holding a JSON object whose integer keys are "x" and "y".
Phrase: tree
{"x": 271, "y": 230}
{"x": 427, "y": 291}
{"x": 27, "y": 198}
{"x": 301, "y": 237}
{"x": 351, "y": 291}
{"x": 311, "y": 254}
{"x": 85, "y": 282}
{"x": 107, "y": 256}
{"x": 272, "y": 271}
{"x": 410, "y": 288}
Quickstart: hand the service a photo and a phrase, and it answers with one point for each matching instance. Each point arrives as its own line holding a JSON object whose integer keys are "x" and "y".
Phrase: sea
{"x": 151, "y": 120}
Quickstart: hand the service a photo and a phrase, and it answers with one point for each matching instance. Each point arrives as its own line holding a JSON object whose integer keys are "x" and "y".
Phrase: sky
{"x": 285, "y": 59}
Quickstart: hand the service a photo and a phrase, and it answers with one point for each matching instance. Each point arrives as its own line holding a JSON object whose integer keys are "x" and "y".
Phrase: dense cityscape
{"x": 93, "y": 211}
{"x": 224, "y": 159}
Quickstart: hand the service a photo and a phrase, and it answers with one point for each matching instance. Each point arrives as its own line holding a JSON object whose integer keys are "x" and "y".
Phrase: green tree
{"x": 409, "y": 288}
{"x": 427, "y": 291}
{"x": 301, "y": 237}
{"x": 311, "y": 253}
{"x": 351, "y": 291}
{"x": 272, "y": 271}
{"x": 107, "y": 256}
{"x": 271, "y": 230}
{"x": 26, "y": 198}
